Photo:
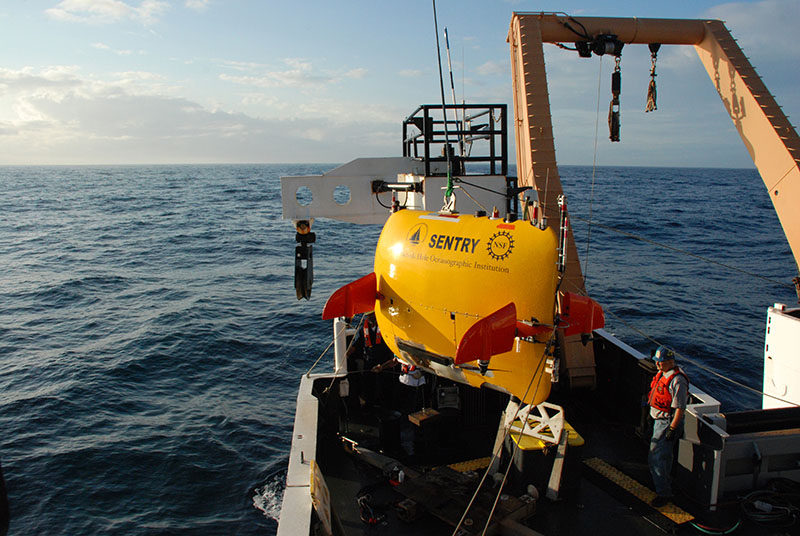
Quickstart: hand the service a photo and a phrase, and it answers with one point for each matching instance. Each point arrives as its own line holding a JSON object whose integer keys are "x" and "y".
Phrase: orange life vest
{"x": 660, "y": 397}
{"x": 372, "y": 334}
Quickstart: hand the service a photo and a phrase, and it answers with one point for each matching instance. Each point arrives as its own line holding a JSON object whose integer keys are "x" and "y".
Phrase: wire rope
{"x": 462, "y": 181}
{"x": 697, "y": 364}
{"x": 682, "y": 251}
{"x": 513, "y": 451}
{"x": 325, "y": 351}
{"x": 496, "y": 453}
{"x": 474, "y": 200}
{"x": 594, "y": 170}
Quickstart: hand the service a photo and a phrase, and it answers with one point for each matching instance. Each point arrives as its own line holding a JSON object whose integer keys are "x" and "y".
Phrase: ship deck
{"x": 604, "y": 486}
{"x": 593, "y": 501}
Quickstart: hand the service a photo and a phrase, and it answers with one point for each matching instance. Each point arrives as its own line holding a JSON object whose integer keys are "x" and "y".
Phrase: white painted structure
{"x": 782, "y": 357}
{"x": 345, "y": 193}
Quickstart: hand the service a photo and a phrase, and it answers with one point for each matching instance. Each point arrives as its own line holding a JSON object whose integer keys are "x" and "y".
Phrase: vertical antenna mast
{"x": 449, "y": 191}
{"x": 453, "y": 91}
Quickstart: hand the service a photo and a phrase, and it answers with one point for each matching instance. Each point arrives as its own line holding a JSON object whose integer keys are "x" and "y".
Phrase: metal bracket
{"x": 546, "y": 424}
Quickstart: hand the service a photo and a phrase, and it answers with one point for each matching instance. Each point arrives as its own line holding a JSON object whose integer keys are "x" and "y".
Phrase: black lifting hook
{"x": 613, "y": 108}
{"x": 304, "y": 259}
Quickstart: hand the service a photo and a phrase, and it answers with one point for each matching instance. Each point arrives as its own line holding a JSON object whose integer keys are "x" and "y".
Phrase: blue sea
{"x": 151, "y": 343}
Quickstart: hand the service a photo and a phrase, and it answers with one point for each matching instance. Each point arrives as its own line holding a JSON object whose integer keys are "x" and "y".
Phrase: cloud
{"x": 138, "y": 83}
{"x": 493, "y": 68}
{"x": 198, "y": 5}
{"x": 766, "y": 27}
{"x": 7, "y": 129}
{"x": 766, "y": 31}
{"x": 300, "y": 74}
{"x": 56, "y": 116}
{"x": 356, "y": 74}
{"x": 107, "y": 11}
{"x": 410, "y": 73}
{"x": 50, "y": 80}
{"x": 241, "y": 65}
{"x": 118, "y": 52}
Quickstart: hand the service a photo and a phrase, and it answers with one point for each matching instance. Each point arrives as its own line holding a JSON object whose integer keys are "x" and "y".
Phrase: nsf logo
{"x": 417, "y": 234}
{"x": 500, "y": 245}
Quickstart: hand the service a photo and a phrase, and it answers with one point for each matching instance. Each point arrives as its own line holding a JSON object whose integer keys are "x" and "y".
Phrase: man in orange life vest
{"x": 669, "y": 392}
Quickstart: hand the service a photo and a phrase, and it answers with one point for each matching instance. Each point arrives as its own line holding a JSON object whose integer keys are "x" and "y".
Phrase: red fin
{"x": 489, "y": 336}
{"x": 353, "y": 298}
{"x": 581, "y": 314}
{"x": 526, "y": 330}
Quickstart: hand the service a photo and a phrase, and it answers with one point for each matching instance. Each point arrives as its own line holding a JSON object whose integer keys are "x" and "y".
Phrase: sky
{"x": 260, "y": 81}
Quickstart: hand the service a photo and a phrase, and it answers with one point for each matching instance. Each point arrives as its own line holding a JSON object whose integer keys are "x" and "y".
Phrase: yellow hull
{"x": 439, "y": 274}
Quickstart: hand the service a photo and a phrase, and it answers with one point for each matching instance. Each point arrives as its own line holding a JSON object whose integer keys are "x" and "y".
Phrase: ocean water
{"x": 151, "y": 343}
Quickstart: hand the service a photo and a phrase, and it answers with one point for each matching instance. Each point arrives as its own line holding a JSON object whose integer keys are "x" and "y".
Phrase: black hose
{"x": 776, "y": 506}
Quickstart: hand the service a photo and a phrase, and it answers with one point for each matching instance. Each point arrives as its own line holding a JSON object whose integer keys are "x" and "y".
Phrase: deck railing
{"x": 476, "y": 135}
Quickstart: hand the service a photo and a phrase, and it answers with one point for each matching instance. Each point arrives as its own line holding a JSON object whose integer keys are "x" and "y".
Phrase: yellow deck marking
{"x": 471, "y": 465}
{"x": 670, "y": 511}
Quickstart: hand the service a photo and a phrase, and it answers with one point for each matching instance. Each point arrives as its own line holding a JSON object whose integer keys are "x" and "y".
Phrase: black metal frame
{"x": 424, "y": 136}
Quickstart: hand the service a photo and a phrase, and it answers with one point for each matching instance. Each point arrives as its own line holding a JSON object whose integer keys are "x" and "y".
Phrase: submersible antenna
{"x": 453, "y": 92}
{"x": 449, "y": 191}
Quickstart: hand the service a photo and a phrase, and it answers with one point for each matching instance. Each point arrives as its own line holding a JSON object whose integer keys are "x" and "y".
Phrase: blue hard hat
{"x": 663, "y": 354}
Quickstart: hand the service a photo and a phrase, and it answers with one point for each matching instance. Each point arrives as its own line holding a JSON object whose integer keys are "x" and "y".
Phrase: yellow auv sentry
{"x": 438, "y": 274}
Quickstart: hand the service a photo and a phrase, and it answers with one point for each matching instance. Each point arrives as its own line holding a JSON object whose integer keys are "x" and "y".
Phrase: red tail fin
{"x": 581, "y": 314}
{"x": 353, "y": 298}
{"x": 489, "y": 336}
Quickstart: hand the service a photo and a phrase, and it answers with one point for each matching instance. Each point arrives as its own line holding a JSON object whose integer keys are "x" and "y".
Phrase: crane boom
{"x": 770, "y": 139}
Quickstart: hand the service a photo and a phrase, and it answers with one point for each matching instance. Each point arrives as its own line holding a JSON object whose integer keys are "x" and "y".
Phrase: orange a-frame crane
{"x": 770, "y": 139}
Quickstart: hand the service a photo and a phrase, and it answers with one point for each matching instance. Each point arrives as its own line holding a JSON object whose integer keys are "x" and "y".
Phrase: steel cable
{"x": 697, "y": 364}
{"x": 684, "y": 252}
